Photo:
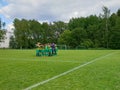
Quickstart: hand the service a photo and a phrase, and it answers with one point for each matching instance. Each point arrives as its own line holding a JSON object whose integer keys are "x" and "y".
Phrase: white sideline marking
{"x": 64, "y": 73}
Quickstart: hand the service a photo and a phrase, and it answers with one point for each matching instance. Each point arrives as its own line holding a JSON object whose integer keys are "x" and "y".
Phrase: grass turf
{"x": 20, "y": 69}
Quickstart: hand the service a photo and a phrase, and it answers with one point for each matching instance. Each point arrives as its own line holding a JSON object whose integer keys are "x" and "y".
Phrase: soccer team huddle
{"x": 48, "y": 49}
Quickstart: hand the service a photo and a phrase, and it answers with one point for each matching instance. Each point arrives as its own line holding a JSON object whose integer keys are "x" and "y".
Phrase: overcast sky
{"x": 53, "y": 10}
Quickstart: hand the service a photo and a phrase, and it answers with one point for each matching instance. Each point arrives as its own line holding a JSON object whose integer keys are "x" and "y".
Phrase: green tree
{"x": 105, "y": 16}
{"x": 27, "y": 33}
{"x": 79, "y": 34}
{"x": 21, "y": 33}
{"x": 59, "y": 27}
{"x": 46, "y": 32}
{"x": 2, "y": 31}
{"x": 0, "y": 24}
{"x": 77, "y": 22}
{"x": 66, "y": 38}
{"x": 35, "y": 32}
{"x": 12, "y": 42}
{"x": 113, "y": 19}
{"x": 114, "y": 41}
{"x": 94, "y": 32}
{"x": 118, "y": 12}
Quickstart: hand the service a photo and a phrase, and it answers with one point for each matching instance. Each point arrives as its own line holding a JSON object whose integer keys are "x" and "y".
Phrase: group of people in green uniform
{"x": 48, "y": 49}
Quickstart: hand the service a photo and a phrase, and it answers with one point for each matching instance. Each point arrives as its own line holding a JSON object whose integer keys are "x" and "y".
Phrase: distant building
{"x": 9, "y": 33}
{"x": 5, "y": 42}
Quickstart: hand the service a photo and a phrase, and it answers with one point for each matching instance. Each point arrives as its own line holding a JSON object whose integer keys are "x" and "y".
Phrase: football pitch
{"x": 69, "y": 70}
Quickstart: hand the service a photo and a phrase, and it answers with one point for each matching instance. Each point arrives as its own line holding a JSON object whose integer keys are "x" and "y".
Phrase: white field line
{"x": 64, "y": 73}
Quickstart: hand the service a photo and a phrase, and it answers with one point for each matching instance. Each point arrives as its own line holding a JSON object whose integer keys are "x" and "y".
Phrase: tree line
{"x": 101, "y": 31}
{"x": 28, "y": 32}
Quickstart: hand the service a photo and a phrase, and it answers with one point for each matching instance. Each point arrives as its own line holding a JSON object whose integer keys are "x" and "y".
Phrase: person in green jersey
{"x": 46, "y": 51}
{"x": 49, "y": 50}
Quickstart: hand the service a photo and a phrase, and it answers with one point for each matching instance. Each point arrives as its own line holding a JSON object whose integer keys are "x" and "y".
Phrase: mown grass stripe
{"x": 40, "y": 60}
{"x": 69, "y": 71}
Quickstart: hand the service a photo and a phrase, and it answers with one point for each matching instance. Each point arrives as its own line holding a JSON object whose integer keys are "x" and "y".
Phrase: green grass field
{"x": 20, "y": 69}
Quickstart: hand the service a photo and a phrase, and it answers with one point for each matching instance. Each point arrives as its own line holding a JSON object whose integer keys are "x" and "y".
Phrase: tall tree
{"x": 106, "y": 16}
{"x": 93, "y": 31}
{"x": 46, "y": 32}
{"x": 66, "y": 38}
{"x": 2, "y": 31}
{"x": 79, "y": 35}
{"x": 59, "y": 28}
{"x": 0, "y": 24}
{"x": 118, "y": 12}
{"x": 27, "y": 33}
{"x": 115, "y": 31}
{"x": 77, "y": 23}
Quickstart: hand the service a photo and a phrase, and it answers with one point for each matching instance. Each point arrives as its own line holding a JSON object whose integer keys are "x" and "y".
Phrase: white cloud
{"x": 52, "y": 10}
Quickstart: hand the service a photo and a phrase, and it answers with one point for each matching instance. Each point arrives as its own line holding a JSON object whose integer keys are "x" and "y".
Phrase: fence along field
{"x": 20, "y": 69}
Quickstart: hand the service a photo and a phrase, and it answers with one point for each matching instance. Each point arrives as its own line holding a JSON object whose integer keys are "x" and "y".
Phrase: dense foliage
{"x": 2, "y": 31}
{"x": 91, "y": 32}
